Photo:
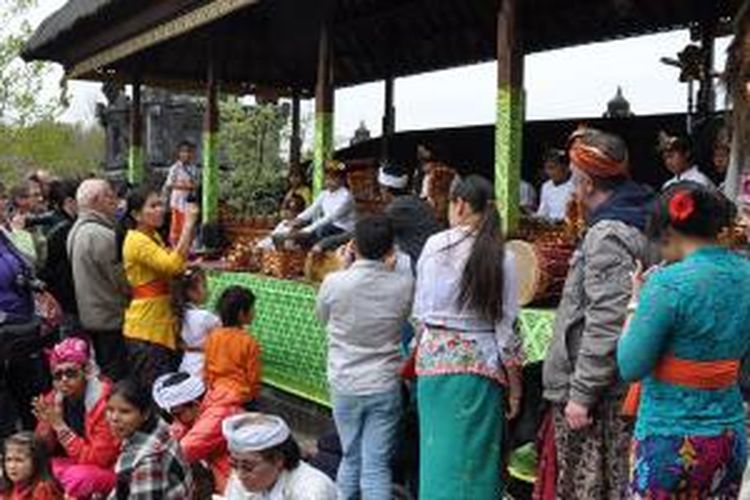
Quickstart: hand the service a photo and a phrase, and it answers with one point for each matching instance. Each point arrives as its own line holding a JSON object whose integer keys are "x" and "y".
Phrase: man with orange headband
{"x": 580, "y": 371}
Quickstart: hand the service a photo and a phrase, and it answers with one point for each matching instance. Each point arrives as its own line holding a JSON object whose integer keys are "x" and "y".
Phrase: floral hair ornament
{"x": 681, "y": 206}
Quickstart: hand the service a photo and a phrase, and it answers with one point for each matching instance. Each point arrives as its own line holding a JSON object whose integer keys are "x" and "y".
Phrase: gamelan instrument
{"x": 542, "y": 267}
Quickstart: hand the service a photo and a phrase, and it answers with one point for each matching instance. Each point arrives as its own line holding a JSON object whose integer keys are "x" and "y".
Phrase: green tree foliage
{"x": 22, "y": 97}
{"x": 251, "y": 138}
{"x": 64, "y": 149}
{"x": 29, "y": 136}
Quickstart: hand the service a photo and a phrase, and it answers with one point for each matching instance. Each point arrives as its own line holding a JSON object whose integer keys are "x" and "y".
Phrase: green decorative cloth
{"x": 294, "y": 343}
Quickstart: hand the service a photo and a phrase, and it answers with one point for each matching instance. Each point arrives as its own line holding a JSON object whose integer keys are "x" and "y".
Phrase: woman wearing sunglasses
{"x": 72, "y": 422}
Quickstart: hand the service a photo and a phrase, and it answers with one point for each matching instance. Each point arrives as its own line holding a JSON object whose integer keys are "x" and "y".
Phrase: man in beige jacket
{"x": 100, "y": 286}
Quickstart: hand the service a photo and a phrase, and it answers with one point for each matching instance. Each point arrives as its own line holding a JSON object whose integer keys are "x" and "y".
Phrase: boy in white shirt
{"x": 333, "y": 211}
{"x": 678, "y": 160}
{"x": 363, "y": 309}
{"x": 182, "y": 181}
{"x": 558, "y": 190}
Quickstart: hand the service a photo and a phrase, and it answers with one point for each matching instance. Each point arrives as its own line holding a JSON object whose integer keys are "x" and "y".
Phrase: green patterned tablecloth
{"x": 293, "y": 342}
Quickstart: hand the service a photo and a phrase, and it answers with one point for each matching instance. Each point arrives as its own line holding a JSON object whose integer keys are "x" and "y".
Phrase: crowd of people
{"x": 116, "y": 380}
{"x": 119, "y": 382}
{"x": 676, "y": 153}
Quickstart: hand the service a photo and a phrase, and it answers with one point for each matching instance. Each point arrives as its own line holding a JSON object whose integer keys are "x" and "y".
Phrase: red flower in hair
{"x": 681, "y": 206}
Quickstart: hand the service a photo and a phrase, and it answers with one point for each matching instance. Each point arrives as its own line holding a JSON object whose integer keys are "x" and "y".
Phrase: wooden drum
{"x": 318, "y": 266}
{"x": 542, "y": 268}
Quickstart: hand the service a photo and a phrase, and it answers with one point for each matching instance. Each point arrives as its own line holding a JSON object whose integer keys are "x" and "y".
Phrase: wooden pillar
{"x": 210, "y": 184}
{"x": 324, "y": 112}
{"x": 295, "y": 144}
{"x": 510, "y": 114}
{"x": 136, "y": 165}
{"x": 707, "y": 91}
{"x": 389, "y": 118}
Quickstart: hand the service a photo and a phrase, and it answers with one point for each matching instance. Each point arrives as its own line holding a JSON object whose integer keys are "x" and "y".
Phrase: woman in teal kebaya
{"x": 683, "y": 345}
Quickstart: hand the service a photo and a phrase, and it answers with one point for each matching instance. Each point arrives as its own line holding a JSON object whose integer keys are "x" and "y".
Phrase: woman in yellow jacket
{"x": 150, "y": 327}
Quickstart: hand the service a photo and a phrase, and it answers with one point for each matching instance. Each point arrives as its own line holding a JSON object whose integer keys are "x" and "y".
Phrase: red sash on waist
{"x": 708, "y": 375}
{"x": 151, "y": 290}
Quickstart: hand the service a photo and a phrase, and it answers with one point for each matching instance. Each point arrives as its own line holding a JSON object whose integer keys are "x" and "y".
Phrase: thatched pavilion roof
{"x": 274, "y": 42}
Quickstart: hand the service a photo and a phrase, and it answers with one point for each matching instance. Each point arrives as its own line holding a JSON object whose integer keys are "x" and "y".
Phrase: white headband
{"x": 392, "y": 181}
{"x": 249, "y": 432}
{"x": 172, "y": 396}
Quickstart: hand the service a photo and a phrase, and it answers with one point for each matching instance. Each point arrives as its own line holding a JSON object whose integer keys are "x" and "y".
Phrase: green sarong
{"x": 461, "y": 418}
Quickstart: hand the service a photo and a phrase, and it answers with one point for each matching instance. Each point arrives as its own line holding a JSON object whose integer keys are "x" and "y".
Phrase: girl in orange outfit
{"x": 232, "y": 355}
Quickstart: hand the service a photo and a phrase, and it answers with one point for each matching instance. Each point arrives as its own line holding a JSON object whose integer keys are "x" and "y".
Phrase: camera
{"x": 27, "y": 281}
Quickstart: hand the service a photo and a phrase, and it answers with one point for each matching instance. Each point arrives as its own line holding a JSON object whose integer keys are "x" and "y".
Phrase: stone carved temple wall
{"x": 168, "y": 120}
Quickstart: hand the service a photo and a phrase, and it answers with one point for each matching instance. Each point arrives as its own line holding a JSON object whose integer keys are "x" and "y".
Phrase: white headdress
{"x": 249, "y": 432}
{"x": 176, "y": 389}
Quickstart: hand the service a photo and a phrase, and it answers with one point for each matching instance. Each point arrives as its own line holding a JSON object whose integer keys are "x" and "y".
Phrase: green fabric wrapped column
{"x": 210, "y": 174}
{"x": 323, "y": 147}
{"x": 510, "y": 116}
{"x": 324, "y": 110}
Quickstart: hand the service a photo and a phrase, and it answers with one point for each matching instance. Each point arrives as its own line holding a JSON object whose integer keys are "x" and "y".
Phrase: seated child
{"x": 26, "y": 470}
{"x": 232, "y": 355}
{"x": 188, "y": 297}
{"x": 292, "y": 207}
{"x": 297, "y": 187}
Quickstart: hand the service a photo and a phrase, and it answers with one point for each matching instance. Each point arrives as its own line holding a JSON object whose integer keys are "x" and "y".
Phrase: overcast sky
{"x": 574, "y": 82}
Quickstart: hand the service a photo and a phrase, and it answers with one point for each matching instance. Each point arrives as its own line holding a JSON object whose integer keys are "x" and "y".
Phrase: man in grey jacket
{"x": 580, "y": 372}
{"x": 100, "y": 286}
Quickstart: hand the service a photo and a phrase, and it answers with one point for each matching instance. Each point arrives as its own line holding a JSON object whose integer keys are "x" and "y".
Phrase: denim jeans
{"x": 368, "y": 428}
